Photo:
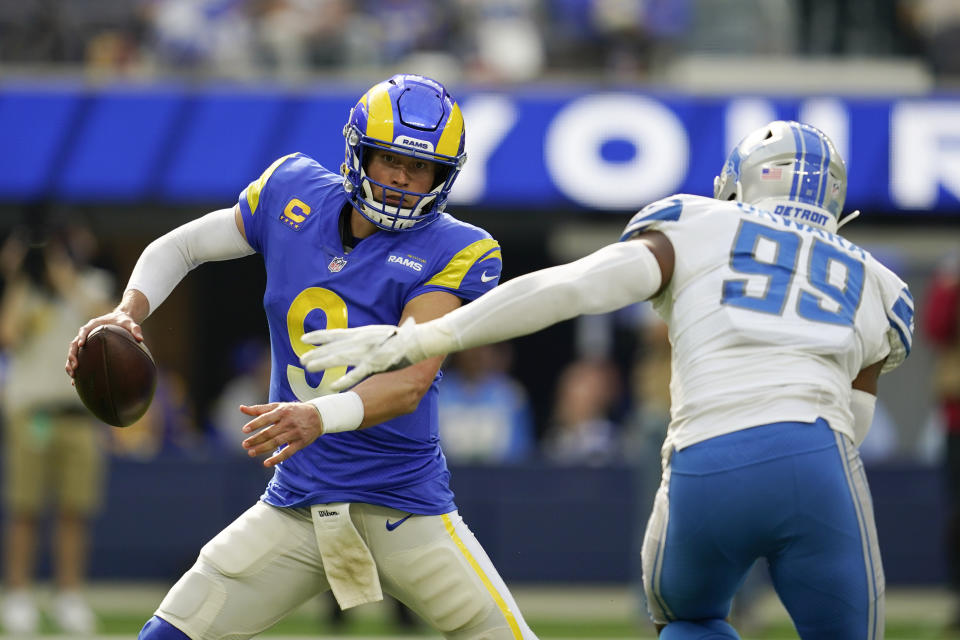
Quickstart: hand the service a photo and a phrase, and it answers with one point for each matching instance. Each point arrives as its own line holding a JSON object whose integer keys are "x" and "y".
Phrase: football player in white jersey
{"x": 780, "y": 329}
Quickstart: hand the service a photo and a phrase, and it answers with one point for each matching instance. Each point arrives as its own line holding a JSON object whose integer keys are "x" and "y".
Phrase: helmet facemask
{"x": 380, "y": 212}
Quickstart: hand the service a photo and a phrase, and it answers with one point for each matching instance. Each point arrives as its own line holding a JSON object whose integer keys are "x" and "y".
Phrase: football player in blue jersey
{"x": 779, "y": 331}
{"x": 359, "y": 502}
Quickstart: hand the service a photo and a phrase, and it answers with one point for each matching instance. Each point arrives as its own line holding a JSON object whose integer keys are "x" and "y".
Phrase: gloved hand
{"x": 370, "y": 349}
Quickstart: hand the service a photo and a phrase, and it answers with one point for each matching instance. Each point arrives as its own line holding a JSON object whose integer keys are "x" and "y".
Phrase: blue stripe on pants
{"x": 792, "y": 493}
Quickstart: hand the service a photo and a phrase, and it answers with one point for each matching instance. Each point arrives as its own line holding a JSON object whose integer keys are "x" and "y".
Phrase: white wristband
{"x": 339, "y": 411}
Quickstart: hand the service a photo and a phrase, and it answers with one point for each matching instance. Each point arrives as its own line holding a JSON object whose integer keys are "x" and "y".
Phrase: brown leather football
{"x": 115, "y": 375}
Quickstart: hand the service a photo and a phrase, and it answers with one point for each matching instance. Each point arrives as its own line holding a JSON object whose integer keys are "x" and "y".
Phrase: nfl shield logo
{"x": 337, "y": 264}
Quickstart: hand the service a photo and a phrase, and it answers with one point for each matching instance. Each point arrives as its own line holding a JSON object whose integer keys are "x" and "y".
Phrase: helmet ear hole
{"x": 442, "y": 174}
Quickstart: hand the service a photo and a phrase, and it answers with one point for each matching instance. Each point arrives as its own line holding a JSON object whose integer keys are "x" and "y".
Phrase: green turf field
{"x": 552, "y": 612}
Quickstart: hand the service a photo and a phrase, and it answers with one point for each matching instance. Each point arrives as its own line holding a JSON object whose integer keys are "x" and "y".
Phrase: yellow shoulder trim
{"x": 255, "y": 187}
{"x": 456, "y": 270}
{"x": 493, "y": 254}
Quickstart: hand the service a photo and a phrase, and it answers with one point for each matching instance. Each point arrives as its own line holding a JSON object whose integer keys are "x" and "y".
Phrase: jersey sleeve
{"x": 652, "y": 216}
{"x": 896, "y": 324}
{"x": 262, "y": 195}
{"x": 898, "y": 304}
{"x": 468, "y": 273}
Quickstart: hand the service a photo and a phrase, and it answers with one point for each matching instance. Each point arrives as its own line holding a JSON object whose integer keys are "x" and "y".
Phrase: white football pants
{"x": 267, "y": 563}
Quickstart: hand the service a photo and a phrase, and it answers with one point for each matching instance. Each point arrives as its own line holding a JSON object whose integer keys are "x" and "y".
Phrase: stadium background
{"x": 137, "y": 116}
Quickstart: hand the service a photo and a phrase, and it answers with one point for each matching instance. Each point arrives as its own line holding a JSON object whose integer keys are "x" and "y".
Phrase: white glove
{"x": 371, "y": 349}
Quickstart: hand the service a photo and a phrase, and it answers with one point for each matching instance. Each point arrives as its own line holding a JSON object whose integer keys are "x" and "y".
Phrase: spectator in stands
{"x": 485, "y": 414}
{"x": 505, "y": 39}
{"x": 251, "y": 383}
{"x": 215, "y": 36}
{"x": 742, "y": 27}
{"x": 650, "y": 400}
{"x": 581, "y": 431}
{"x": 940, "y": 321}
{"x": 297, "y": 35}
{"x": 169, "y": 427}
{"x": 52, "y": 445}
{"x": 938, "y": 24}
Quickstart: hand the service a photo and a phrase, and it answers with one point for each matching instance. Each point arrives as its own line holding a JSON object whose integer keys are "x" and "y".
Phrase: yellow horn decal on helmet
{"x": 379, "y": 113}
{"x": 449, "y": 143}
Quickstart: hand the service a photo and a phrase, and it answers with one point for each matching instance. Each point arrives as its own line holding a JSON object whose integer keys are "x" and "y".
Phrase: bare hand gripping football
{"x": 371, "y": 349}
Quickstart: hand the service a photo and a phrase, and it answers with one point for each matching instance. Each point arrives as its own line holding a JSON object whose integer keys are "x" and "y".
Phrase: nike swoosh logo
{"x": 485, "y": 278}
{"x": 393, "y": 525}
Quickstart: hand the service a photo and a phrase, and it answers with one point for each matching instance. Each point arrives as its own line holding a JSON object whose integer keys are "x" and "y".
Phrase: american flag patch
{"x": 771, "y": 173}
{"x": 337, "y": 264}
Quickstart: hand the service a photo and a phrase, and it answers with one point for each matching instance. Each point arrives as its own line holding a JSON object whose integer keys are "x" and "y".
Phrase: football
{"x": 115, "y": 376}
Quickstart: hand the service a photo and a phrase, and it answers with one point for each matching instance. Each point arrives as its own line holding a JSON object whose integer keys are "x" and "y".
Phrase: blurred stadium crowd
{"x": 477, "y": 40}
{"x": 502, "y": 42}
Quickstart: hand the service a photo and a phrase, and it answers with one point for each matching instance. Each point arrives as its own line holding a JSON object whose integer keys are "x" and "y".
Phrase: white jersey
{"x": 770, "y": 319}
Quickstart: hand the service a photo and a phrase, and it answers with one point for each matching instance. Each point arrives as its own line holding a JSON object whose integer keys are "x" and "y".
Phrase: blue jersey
{"x": 291, "y": 217}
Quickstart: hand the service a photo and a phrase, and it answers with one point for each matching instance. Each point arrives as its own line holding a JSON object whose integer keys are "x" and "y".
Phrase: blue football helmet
{"x": 413, "y": 116}
{"x": 788, "y": 168}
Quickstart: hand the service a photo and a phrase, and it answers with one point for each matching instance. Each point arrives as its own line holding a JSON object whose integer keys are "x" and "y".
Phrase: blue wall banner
{"x": 529, "y": 148}
{"x": 539, "y": 523}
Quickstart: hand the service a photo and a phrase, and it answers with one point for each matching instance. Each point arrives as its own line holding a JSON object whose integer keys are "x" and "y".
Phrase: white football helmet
{"x": 789, "y": 168}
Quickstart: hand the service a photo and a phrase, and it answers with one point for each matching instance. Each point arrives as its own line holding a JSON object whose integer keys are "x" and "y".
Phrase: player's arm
{"x": 294, "y": 425}
{"x": 889, "y": 354}
{"x": 396, "y": 393}
{"x": 863, "y": 399}
{"x": 866, "y": 380}
{"x": 163, "y": 264}
{"x": 610, "y": 278}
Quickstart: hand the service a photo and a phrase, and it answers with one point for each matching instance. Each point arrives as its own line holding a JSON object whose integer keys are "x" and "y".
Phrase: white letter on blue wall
{"x": 743, "y": 115}
{"x": 575, "y": 138}
{"x": 488, "y": 120}
{"x": 924, "y": 152}
{"x": 831, "y": 116}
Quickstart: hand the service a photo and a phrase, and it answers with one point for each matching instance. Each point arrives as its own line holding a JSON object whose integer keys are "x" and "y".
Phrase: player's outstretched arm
{"x": 608, "y": 279}
{"x": 292, "y": 426}
{"x": 162, "y": 265}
